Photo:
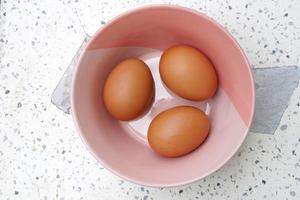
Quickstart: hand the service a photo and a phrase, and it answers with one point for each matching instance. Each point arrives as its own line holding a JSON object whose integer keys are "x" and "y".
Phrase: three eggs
{"x": 129, "y": 91}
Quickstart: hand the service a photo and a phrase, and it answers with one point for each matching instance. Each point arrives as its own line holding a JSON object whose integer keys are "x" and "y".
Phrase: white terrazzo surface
{"x": 42, "y": 156}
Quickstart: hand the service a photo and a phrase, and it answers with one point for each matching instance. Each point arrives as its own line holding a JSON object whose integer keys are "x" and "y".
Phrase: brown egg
{"x": 128, "y": 89}
{"x": 178, "y": 131}
{"x": 188, "y": 73}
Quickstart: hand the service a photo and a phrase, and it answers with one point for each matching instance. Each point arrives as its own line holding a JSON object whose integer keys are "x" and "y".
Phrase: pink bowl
{"x": 122, "y": 146}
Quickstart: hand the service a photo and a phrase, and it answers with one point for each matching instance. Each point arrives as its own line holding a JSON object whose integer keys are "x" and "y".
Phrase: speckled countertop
{"x": 42, "y": 156}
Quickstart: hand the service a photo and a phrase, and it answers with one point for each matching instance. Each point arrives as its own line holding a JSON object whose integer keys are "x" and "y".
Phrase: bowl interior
{"x": 122, "y": 146}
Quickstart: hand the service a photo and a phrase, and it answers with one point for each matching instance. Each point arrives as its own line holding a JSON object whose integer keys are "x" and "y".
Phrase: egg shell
{"x": 188, "y": 73}
{"x": 178, "y": 131}
{"x": 128, "y": 89}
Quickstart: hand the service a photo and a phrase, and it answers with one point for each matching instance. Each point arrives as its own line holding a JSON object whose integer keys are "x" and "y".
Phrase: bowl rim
{"x": 74, "y": 111}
